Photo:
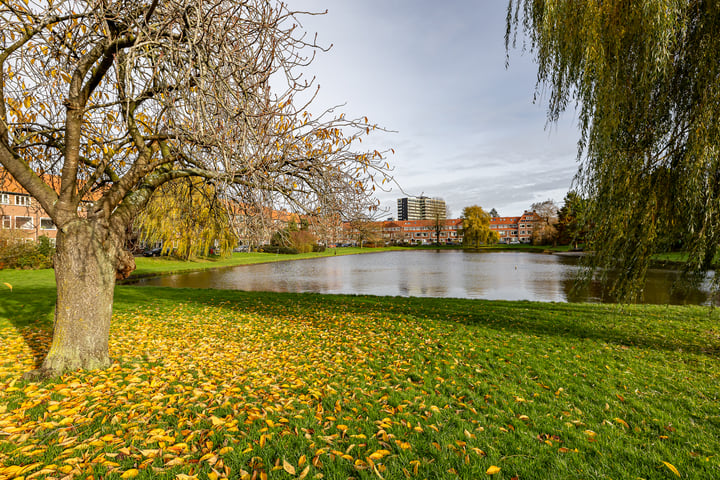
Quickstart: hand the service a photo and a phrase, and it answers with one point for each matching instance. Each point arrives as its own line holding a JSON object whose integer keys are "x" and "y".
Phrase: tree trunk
{"x": 86, "y": 263}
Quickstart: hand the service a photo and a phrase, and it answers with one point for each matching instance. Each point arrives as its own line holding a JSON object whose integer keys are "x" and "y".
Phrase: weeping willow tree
{"x": 476, "y": 227}
{"x": 644, "y": 79}
{"x": 188, "y": 217}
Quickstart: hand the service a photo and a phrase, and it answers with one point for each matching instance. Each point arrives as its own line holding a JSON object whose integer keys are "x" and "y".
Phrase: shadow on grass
{"x": 688, "y": 329}
{"x": 30, "y": 307}
{"x": 654, "y": 327}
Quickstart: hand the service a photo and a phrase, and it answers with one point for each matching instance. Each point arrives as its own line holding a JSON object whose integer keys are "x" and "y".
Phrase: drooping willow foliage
{"x": 188, "y": 218}
{"x": 644, "y": 79}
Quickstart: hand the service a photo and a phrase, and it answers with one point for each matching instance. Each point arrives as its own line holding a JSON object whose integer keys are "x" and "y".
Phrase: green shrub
{"x": 278, "y": 249}
{"x": 27, "y": 255}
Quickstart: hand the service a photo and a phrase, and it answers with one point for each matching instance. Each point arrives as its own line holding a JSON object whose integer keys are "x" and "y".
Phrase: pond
{"x": 431, "y": 273}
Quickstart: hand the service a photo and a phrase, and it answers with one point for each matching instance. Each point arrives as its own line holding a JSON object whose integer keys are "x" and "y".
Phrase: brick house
{"x": 21, "y": 216}
{"x": 515, "y": 229}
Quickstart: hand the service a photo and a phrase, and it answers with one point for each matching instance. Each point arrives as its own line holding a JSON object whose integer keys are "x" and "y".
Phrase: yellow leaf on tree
{"x": 492, "y": 470}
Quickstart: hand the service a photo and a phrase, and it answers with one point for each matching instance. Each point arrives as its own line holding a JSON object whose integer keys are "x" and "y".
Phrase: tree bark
{"x": 86, "y": 262}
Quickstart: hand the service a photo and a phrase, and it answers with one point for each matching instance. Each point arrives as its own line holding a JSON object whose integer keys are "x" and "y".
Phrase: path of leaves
{"x": 332, "y": 391}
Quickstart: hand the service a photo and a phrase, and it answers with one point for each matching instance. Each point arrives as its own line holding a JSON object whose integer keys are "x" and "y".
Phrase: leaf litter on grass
{"x": 283, "y": 386}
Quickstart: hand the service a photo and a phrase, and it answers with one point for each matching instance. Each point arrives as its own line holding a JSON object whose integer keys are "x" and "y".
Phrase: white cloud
{"x": 467, "y": 129}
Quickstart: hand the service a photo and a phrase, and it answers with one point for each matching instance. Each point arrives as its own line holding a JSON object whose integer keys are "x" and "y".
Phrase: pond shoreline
{"x": 184, "y": 267}
{"x": 439, "y": 273}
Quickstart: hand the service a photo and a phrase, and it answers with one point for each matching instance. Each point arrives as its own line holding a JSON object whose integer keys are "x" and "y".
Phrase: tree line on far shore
{"x": 566, "y": 225}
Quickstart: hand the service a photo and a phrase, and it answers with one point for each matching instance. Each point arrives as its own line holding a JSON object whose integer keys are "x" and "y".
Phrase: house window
{"x": 6, "y": 221}
{"x": 5, "y": 198}
{"x": 25, "y": 223}
{"x": 22, "y": 200}
{"x": 46, "y": 224}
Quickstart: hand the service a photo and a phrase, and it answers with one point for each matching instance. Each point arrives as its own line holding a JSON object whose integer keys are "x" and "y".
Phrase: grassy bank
{"x": 165, "y": 265}
{"x": 32, "y": 292}
{"x": 223, "y": 383}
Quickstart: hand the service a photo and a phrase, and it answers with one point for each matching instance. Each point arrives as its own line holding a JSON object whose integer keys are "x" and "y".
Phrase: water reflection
{"x": 428, "y": 273}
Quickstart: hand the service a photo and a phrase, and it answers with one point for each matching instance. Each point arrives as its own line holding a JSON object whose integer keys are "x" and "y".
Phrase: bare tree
{"x": 438, "y": 220}
{"x": 545, "y": 231}
{"x": 106, "y": 101}
{"x": 365, "y": 230}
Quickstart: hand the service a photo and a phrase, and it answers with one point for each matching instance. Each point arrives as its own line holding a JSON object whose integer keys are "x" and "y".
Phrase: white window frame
{"x": 22, "y": 200}
{"x": 53, "y": 227}
{"x": 5, "y": 198}
{"x": 8, "y": 219}
{"x": 26, "y": 225}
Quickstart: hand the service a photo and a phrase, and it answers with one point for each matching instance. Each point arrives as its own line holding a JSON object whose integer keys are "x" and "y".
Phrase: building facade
{"x": 515, "y": 229}
{"x": 510, "y": 230}
{"x": 421, "y": 208}
{"x": 414, "y": 232}
{"x": 22, "y": 218}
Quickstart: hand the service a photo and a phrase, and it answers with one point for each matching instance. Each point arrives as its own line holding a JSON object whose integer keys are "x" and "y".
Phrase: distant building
{"x": 415, "y": 232}
{"x": 424, "y": 232}
{"x": 421, "y": 208}
{"x": 515, "y": 229}
{"x": 21, "y": 216}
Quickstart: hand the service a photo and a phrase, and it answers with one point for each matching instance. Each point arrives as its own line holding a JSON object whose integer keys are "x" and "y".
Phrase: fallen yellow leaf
{"x": 288, "y": 467}
{"x": 132, "y": 473}
{"x": 493, "y": 470}
{"x": 304, "y": 473}
{"x": 379, "y": 454}
{"x": 672, "y": 468}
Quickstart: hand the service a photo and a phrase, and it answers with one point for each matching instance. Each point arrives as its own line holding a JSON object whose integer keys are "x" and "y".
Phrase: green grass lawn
{"x": 165, "y": 265}
{"x": 233, "y": 384}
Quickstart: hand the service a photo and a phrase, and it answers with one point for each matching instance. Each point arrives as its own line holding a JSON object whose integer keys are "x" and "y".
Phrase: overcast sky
{"x": 434, "y": 72}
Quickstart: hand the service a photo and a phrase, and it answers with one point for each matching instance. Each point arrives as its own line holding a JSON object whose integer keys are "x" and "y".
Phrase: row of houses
{"x": 510, "y": 230}
{"x": 516, "y": 229}
{"x": 22, "y": 218}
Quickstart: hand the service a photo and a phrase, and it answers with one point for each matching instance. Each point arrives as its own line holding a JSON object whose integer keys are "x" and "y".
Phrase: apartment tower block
{"x": 421, "y": 208}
